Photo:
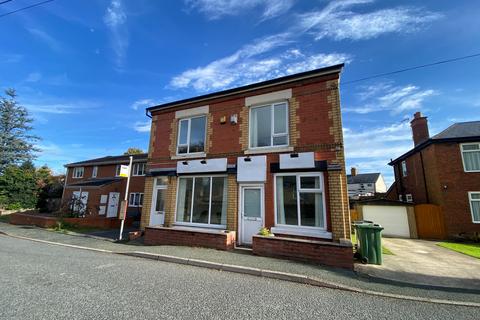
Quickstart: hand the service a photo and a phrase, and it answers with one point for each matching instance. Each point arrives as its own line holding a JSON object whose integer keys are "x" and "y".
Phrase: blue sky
{"x": 86, "y": 70}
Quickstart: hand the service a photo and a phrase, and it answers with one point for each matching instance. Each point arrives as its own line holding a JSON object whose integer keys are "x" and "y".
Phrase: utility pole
{"x": 125, "y": 206}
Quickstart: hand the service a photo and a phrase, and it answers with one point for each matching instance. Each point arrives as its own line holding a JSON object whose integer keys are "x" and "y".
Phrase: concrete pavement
{"x": 41, "y": 281}
{"x": 423, "y": 262}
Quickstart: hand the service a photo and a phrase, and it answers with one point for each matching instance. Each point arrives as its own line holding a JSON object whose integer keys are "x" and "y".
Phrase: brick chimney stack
{"x": 419, "y": 126}
{"x": 353, "y": 171}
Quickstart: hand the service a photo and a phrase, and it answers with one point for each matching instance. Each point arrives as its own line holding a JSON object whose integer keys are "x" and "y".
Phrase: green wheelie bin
{"x": 369, "y": 237}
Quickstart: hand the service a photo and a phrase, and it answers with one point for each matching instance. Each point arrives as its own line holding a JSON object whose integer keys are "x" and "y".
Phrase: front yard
{"x": 385, "y": 250}
{"x": 470, "y": 249}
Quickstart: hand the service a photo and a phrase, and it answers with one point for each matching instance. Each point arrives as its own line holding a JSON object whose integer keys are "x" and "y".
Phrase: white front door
{"x": 113, "y": 199}
{"x": 157, "y": 214}
{"x": 251, "y": 212}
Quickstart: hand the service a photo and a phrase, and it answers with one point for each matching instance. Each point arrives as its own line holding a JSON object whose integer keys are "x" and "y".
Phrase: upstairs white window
{"x": 78, "y": 172}
{"x": 269, "y": 125}
{"x": 409, "y": 197}
{"x": 94, "y": 172}
{"x": 471, "y": 157}
{"x": 474, "y": 198}
{"x": 404, "y": 168}
{"x": 191, "y": 135}
{"x": 139, "y": 169}
{"x": 135, "y": 199}
{"x": 118, "y": 167}
{"x": 299, "y": 200}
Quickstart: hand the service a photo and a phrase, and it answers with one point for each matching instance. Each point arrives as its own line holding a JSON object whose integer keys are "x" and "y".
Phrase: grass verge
{"x": 5, "y": 218}
{"x": 470, "y": 249}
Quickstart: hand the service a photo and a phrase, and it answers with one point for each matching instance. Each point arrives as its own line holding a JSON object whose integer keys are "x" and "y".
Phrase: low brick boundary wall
{"x": 319, "y": 252}
{"x": 45, "y": 221}
{"x": 187, "y": 237}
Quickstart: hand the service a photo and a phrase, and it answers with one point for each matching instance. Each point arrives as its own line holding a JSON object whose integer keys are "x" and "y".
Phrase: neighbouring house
{"x": 443, "y": 170}
{"x": 364, "y": 184}
{"x": 98, "y": 188}
{"x": 223, "y": 165}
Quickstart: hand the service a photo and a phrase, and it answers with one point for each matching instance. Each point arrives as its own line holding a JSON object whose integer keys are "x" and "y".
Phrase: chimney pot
{"x": 353, "y": 171}
{"x": 419, "y": 126}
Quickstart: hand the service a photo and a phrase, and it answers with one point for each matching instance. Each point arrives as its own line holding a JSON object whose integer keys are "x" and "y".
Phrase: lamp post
{"x": 123, "y": 214}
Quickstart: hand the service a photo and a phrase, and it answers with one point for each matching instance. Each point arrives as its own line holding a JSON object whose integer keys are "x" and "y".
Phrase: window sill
{"x": 268, "y": 150}
{"x": 199, "y": 228}
{"x": 189, "y": 156}
{"x": 299, "y": 231}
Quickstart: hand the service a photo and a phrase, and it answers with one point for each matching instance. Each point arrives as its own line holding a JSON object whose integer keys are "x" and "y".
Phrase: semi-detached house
{"x": 223, "y": 165}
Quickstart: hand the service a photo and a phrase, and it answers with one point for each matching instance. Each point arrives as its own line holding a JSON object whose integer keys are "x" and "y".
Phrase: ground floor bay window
{"x": 202, "y": 201}
{"x": 299, "y": 204}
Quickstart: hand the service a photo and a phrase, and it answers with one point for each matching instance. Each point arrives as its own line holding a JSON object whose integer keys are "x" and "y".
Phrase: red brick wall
{"x": 176, "y": 237}
{"x": 330, "y": 254}
{"x": 443, "y": 168}
{"x": 50, "y": 221}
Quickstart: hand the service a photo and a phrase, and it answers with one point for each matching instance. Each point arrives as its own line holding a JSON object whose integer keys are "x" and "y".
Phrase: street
{"x": 40, "y": 281}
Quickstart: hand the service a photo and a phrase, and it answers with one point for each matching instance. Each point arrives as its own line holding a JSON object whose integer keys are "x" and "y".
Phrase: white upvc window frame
{"x": 403, "y": 168}
{"x": 78, "y": 172}
{"x": 136, "y": 169}
{"x": 135, "y": 199}
{"x": 189, "y": 119}
{"x": 272, "y": 124}
{"x": 409, "y": 197}
{"x": 465, "y": 151}
{"x": 195, "y": 224}
{"x": 94, "y": 171}
{"x": 299, "y": 229}
{"x": 470, "y": 201}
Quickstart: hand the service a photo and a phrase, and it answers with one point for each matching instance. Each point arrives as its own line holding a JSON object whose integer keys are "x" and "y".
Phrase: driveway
{"x": 423, "y": 262}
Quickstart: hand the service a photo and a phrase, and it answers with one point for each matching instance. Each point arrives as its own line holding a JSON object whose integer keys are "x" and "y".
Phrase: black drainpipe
{"x": 424, "y": 178}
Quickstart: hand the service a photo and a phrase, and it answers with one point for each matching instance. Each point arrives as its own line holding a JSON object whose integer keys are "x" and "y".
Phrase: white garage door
{"x": 393, "y": 218}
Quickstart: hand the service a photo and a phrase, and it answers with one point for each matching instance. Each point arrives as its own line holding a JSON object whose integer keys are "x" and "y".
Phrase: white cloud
{"x": 396, "y": 99}
{"x": 141, "y": 126}
{"x": 53, "y": 43}
{"x": 334, "y": 21}
{"x": 115, "y": 19}
{"x": 250, "y": 64}
{"x": 33, "y": 77}
{"x": 10, "y": 58}
{"x": 215, "y": 9}
{"x": 371, "y": 149}
{"x": 142, "y": 103}
{"x": 52, "y": 108}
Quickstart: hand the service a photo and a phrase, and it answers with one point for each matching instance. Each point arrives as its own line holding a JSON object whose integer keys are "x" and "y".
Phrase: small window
{"x": 400, "y": 197}
{"x": 135, "y": 199}
{"x": 139, "y": 169}
{"x": 269, "y": 125}
{"x": 94, "y": 172}
{"x": 191, "y": 135}
{"x": 409, "y": 197}
{"x": 118, "y": 168}
{"x": 471, "y": 157}
{"x": 78, "y": 172}
{"x": 404, "y": 168}
{"x": 474, "y": 198}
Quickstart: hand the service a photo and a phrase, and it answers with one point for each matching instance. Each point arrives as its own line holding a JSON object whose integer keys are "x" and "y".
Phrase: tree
{"x": 16, "y": 141}
{"x": 18, "y": 187}
{"x": 132, "y": 151}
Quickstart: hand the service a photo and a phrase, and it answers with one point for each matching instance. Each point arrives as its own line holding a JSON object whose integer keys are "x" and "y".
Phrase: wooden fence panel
{"x": 430, "y": 224}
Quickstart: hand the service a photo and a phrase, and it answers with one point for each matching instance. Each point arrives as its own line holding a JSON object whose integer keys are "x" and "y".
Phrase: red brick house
{"x": 223, "y": 165}
{"x": 443, "y": 170}
{"x": 98, "y": 184}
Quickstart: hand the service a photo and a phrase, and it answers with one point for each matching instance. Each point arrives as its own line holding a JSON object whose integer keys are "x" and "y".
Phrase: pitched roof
{"x": 255, "y": 86}
{"x": 460, "y": 130}
{"x": 110, "y": 160}
{"x": 363, "y": 178}
{"x": 457, "y": 132}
